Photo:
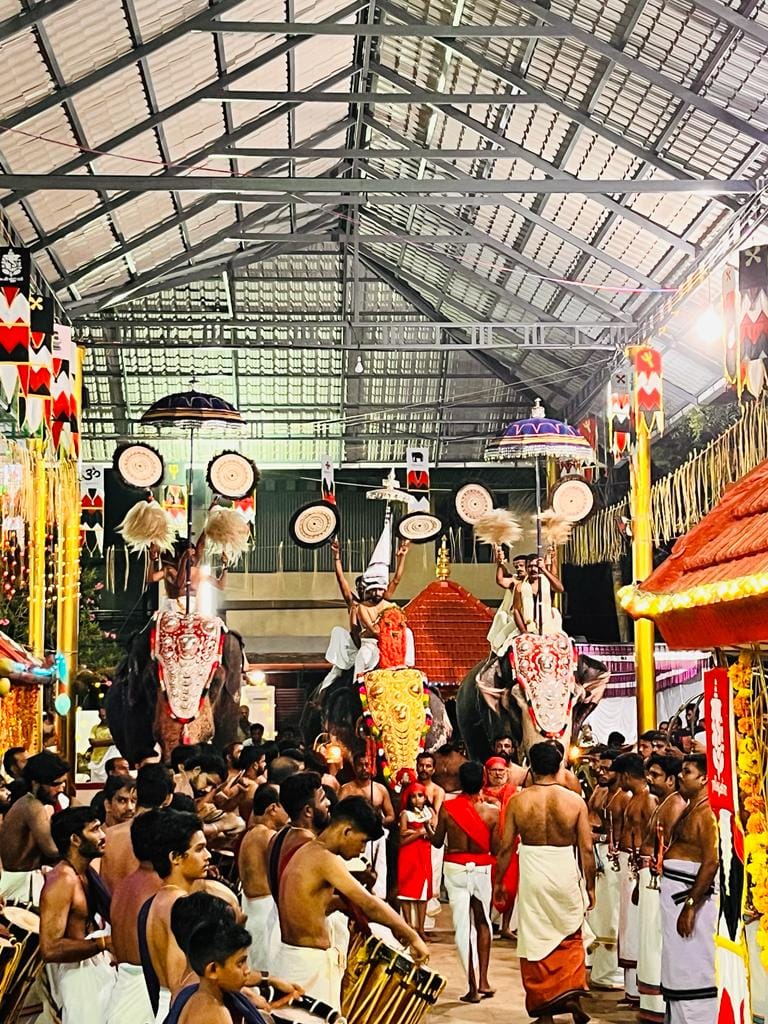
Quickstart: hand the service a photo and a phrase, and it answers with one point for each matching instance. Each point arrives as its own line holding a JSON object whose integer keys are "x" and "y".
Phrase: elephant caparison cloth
{"x": 136, "y": 709}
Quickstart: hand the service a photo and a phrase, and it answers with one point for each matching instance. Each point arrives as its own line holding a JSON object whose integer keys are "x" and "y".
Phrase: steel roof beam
{"x": 747, "y": 26}
{"x": 26, "y": 19}
{"x": 380, "y": 31}
{"x": 533, "y": 217}
{"x": 645, "y": 71}
{"x": 129, "y": 134}
{"x": 413, "y": 96}
{"x": 26, "y": 183}
{"x": 548, "y": 168}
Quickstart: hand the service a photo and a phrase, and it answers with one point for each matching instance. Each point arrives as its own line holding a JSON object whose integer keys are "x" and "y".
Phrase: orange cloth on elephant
{"x": 560, "y": 976}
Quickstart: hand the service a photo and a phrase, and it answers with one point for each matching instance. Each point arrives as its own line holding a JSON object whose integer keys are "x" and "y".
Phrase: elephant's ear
{"x": 490, "y": 686}
{"x": 592, "y": 676}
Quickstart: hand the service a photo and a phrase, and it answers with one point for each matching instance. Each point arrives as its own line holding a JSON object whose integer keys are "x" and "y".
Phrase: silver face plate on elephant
{"x": 139, "y": 466}
{"x": 314, "y": 524}
{"x": 544, "y": 667}
{"x": 473, "y": 501}
{"x": 573, "y": 499}
{"x": 187, "y": 649}
{"x": 420, "y": 527}
{"x": 232, "y": 476}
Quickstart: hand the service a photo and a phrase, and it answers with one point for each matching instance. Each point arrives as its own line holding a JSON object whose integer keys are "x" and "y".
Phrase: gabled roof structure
{"x": 483, "y": 199}
{"x": 712, "y": 591}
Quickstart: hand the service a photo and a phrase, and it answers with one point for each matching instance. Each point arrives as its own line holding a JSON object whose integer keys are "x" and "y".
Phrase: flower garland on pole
{"x": 751, "y": 769}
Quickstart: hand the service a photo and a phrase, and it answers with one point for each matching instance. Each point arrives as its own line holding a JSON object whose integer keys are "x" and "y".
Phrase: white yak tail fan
{"x": 498, "y": 527}
{"x": 555, "y": 529}
{"x": 147, "y": 524}
{"x": 226, "y": 533}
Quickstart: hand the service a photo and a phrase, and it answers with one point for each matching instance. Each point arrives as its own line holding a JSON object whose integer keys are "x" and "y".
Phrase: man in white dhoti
{"x": 661, "y": 772}
{"x": 465, "y": 826}
{"x": 25, "y": 838}
{"x": 547, "y": 818}
{"x": 310, "y": 954}
{"x": 366, "y": 786}
{"x": 268, "y": 815}
{"x": 689, "y": 904}
{"x": 606, "y": 816}
{"x": 504, "y": 627}
{"x": 637, "y": 814}
{"x": 73, "y": 939}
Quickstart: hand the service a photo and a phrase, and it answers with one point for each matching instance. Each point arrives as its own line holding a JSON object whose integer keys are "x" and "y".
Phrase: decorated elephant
{"x": 178, "y": 683}
{"x": 537, "y": 690}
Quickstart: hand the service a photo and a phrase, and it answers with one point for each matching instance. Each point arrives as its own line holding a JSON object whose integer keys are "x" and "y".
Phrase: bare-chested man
{"x": 72, "y": 939}
{"x": 309, "y": 953}
{"x": 565, "y": 777}
{"x": 154, "y": 789}
{"x": 345, "y": 648}
{"x": 365, "y": 785}
{"x": 25, "y": 838}
{"x": 504, "y": 745}
{"x": 689, "y": 904}
{"x": 119, "y": 800}
{"x": 637, "y": 814}
{"x": 425, "y": 771}
{"x": 467, "y": 825}
{"x": 661, "y": 772}
{"x": 606, "y": 818}
{"x": 504, "y": 626}
{"x": 448, "y": 760}
{"x": 129, "y": 1003}
{"x": 553, "y": 828}
{"x": 268, "y": 816}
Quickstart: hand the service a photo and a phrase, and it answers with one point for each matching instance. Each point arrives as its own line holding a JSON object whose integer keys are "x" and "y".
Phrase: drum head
{"x": 26, "y": 920}
{"x": 314, "y": 524}
{"x": 473, "y": 501}
{"x": 420, "y": 527}
{"x": 139, "y": 466}
{"x": 232, "y": 476}
{"x": 573, "y": 499}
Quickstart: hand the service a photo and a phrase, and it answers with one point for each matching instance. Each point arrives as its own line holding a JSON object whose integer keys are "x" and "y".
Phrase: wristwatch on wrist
{"x": 690, "y": 903}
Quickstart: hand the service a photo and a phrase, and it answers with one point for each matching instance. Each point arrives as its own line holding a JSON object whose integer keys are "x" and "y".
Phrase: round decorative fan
{"x": 473, "y": 501}
{"x": 139, "y": 466}
{"x": 232, "y": 475}
{"x": 572, "y": 498}
{"x": 420, "y": 527}
{"x": 314, "y": 524}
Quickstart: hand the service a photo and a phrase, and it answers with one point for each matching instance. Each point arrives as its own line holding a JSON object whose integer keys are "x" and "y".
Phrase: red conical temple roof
{"x": 450, "y": 629}
{"x": 712, "y": 591}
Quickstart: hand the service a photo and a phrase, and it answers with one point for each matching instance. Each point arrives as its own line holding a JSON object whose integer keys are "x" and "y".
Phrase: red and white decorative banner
{"x": 753, "y": 327}
{"x": 731, "y": 337}
{"x": 15, "y": 276}
{"x": 417, "y": 470}
{"x": 61, "y": 387}
{"x": 35, "y": 377}
{"x": 619, "y": 412}
{"x": 247, "y": 508}
{"x": 588, "y": 429}
{"x": 648, "y": 405}
{"x": 718, "y": 700}
{"x": 92, "y": 509}
{"x": 327, "y": 482}
{"x": 175, "y": 504}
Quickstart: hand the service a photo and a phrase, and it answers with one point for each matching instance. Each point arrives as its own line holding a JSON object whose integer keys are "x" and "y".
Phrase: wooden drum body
{"x": 384, "y": 987}
{"x": 20, "y": 960}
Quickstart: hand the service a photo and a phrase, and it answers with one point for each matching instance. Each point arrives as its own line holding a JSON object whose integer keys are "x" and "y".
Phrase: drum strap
{"x": 150, "y": 977}
{"x": 240, "y": 1007}
{"x": 274, "y": 868}
{"x": 98, "y": 896}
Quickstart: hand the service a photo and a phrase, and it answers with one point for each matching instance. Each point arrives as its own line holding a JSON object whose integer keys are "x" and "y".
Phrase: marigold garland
{"x": 751, "y": 775}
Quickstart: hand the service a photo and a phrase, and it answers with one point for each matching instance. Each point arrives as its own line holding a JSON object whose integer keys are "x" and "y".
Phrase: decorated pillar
{"x": 648, "y": 415}
{"x": 37, "y": 533}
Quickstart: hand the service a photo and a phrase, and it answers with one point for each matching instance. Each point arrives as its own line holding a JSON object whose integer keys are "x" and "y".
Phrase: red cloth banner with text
{"x": 648, "y": 399}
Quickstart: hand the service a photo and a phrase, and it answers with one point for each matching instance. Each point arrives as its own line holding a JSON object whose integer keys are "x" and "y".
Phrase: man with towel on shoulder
{"x": 551, "y": 905}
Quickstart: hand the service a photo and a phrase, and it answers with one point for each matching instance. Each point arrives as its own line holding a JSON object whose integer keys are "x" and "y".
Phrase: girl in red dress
{"x": 414, "y": 863}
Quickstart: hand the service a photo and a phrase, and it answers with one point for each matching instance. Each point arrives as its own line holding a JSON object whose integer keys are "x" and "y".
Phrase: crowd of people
{"x": 219, "y": 885}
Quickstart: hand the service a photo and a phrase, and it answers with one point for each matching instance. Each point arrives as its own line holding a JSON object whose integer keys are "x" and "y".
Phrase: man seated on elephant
{"x": 504, "y": 625}
{"x": 374, "y": 590}
{"x": 532, "y": 605}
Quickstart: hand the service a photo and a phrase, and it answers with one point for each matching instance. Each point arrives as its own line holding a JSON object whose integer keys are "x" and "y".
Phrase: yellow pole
{"x": 37, "y": 551}
{"x": 68, "y": 574}
{"x": 642, "y": 566}
{"x": 553, "y": 475}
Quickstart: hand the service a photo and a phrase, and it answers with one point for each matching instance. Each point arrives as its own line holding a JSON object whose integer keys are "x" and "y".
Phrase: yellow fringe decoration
{"x": 683, "y": 497}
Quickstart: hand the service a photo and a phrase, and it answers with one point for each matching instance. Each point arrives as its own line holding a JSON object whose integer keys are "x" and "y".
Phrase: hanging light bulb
{"x": 359, "y": 368}
{"x": 710, "y": 326}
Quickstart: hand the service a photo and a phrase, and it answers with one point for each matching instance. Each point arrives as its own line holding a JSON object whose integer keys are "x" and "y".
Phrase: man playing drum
{"x": 73, "y": 941}
{"x": 25, "y": 838}
{"x": 308, "y": 952}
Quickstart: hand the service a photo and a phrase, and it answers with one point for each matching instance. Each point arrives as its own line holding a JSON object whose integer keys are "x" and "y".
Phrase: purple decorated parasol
{"x": 539, "y": 437}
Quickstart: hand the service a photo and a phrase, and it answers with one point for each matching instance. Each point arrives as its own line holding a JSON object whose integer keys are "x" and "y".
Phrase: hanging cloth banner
{"x": 417, "y": 470}
{"x": 247, "y": 508}
{"x": 75, "y": 391}
{"x": 15, "y": 276}
{"x": 731, "y": 338}
{"x": 588, "y": 429}
{"x": 327, "y": 481}
{"x": 175, "y": 504}
{"x": 35, "y": 378}
{"x": 61, "y": 387}
{"x": 92, "y": 509}
{"x": 753, "y": 328}
{"x": 619, "y": 412}
{"x": 648, "y": 405}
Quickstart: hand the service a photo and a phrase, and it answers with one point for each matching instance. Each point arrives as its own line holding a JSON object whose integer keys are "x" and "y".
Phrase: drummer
{"x": 25, "y": 838}
{"x": 311, "y": 952}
